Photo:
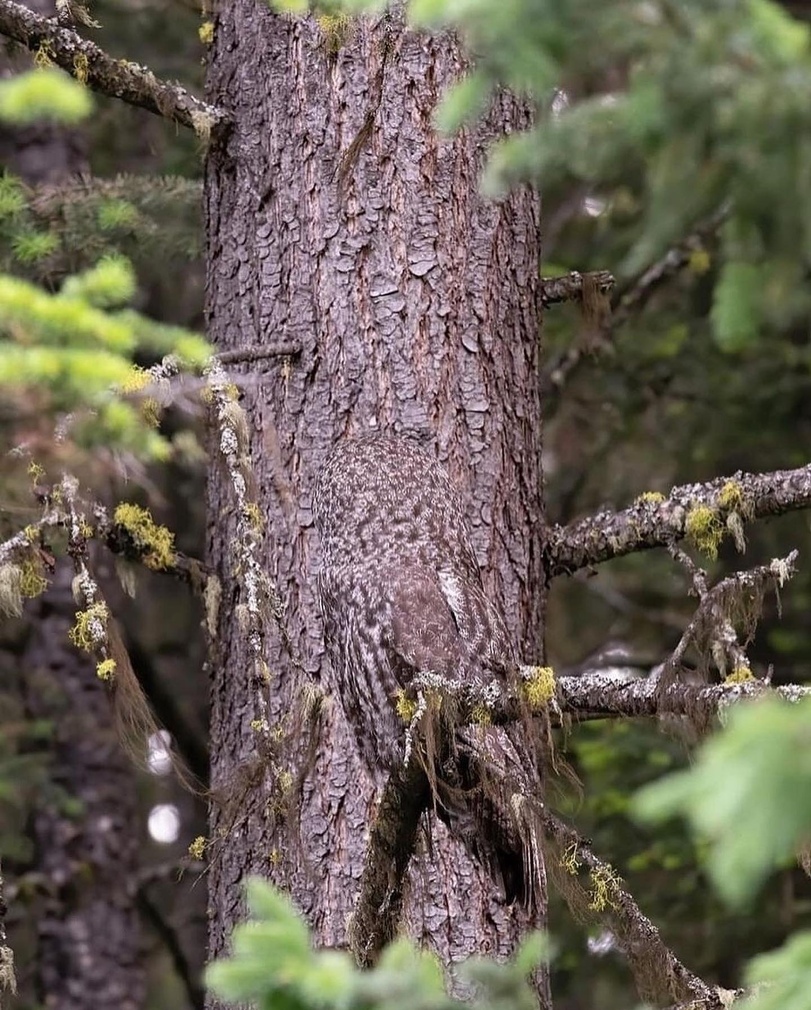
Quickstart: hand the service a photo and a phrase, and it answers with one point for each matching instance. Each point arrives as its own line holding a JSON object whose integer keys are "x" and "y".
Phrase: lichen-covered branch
{"x": 391, "y": 844}
{"x": 735, "y": 600}
{"x": 592, "y": 889}
{"x": 606, "y": 694}
{"x": 89, "y": 64}
{"x": 703, "y": 513}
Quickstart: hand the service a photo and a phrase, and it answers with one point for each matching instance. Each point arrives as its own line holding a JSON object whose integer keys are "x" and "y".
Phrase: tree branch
{"x": 98, "y": 70}
{"x": 657, "y": 971}
{"x": 170, "y": 937}
{"x": 629, "y": 299}
{"x": 569, "y": 287}
{"x": 391, "y": 845}
{"x": 606, "y": 694}
{"x": 651, "y": 522}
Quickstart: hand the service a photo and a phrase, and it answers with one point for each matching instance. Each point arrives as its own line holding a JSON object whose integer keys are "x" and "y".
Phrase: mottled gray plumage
{"x": 401, "y": 597}
{"x": 399, "y": 586}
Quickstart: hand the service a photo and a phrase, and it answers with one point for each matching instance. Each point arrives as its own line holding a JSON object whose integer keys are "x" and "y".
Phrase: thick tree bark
{"x": 84, "y": 831}
{"x": 340, "y": 223}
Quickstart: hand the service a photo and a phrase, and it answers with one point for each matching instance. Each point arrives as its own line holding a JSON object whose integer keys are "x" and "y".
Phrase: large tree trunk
{"x": 339, "y": 221}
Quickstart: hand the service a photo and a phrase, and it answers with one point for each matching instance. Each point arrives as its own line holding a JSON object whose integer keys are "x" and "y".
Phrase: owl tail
{"x": 492, "y": 801}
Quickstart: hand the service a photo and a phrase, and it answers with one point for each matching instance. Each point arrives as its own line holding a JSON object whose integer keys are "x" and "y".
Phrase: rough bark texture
{"x": 84, "y": 828}
{"x": 341, "y": 224}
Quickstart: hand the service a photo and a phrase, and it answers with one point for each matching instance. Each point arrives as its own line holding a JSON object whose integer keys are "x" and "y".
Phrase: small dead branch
{"x": 736, "y": 599}
{"x": 628, "y": 300}
{"x": 569, "y": 287}
{"x": 656, "y": 520}
{"x": 130, "y": 82}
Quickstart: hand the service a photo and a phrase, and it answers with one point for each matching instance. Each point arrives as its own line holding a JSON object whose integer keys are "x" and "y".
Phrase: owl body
{"x": 399, "y": 588}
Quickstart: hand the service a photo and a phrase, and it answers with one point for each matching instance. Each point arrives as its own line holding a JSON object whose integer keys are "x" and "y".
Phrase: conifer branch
{"x": 569, "y": 287}
{"x": 703, "y": 513}
{"x": 92, "y": 66}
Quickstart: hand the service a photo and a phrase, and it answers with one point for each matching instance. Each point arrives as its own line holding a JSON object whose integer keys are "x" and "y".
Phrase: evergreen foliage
{"x": 43, "y": 94}
{"x": 274, "y": 966}
{"x": 74, "y": 350}
{"x": 672, "y": 114}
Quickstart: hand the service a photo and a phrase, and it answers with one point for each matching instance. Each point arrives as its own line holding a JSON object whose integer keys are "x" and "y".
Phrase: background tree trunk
{"x": 84, "y": 824}
{"x": 84, "y": 828}
{"x": 338, "y": 220}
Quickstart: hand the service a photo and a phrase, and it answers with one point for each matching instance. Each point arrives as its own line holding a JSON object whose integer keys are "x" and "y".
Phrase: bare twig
{"x": 171, "y": 939}
{"x": 116, "y": 78}
{"x": 657, "y": 521}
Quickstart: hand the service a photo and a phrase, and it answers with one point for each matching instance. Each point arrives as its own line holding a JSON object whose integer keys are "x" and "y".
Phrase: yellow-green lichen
{"x": 90, "y": 628}
{"x": 704, "y": 529}
{"x": 105, "y": 670}
{"x": 285, "y": 781}
{"x": 206, "y": 32}
{"x": 699, "y": 261}
{"x": 32, "y": 581}
{"x": 732, "y": 497}
{"x": 481, "y": 715}
{"x": 335, "y": 29}
{"x": 650, "y": 498}
{"x": 31, "y": 534}
{"x": 198, "y": 847}
{"x": 604, "y": 884}
{"x": 35, "y": 471}
{"x": 253, "y": 516}
{"x": 151, "y": 412}
{"x": 740, "y": 675}
{"x": 81, "y": 66}
{"x": 275, "y": 857}
{"x": 538, "y": 689}
{"x": 569, "y": 860}
{"x": 156, "y": 542}
{"x": 405, "y": 707}
{"x": 259, "y": 725}
{"x": 44, "y": 55}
